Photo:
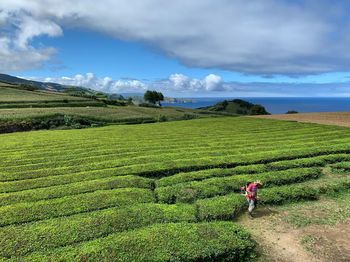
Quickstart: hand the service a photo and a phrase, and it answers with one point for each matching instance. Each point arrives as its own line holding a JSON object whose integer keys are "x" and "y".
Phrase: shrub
{"x": 220, "y": 207}
{"x": 283, "y": 194}
{"x": 215, "y": 241}
{"x": 75, "y": 188}
{"x": 188, "y": 192}
{"x": 52, "y": 233}
{"x": 204, "y": 174}
{"x": 69, "y": 205}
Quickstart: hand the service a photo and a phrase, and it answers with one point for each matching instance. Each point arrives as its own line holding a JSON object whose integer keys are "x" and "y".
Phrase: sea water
{"x": 279, "y": 105}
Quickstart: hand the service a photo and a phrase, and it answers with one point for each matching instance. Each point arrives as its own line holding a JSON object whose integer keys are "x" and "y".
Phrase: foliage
{"x": 153, "y": 97}
{"x": 238, "y": 106}
{"x": 215, "y": 241}
{"x": 188, "y": 192}
{"x": 96, "y": 194}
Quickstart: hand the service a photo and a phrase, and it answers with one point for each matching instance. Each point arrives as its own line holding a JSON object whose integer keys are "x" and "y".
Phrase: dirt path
{"x": 280, "y": 241}
{"x": 276, "y": 242}
{"x": 337, "y": 118}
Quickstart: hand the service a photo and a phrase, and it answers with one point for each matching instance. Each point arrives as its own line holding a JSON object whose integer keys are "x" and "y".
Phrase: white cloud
{"x": 175, "y": 83}
{"x": 213, "y": 83}
{"x": 31, "y": 28}
{"x": 105, "y": 84}
{"x": 256, "y": 36}
{"x": 16, "y": 53}
{"x": 179, "y": 85}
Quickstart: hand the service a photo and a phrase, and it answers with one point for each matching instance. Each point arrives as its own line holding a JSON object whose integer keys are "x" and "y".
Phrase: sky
{"x": 197, "y": 48}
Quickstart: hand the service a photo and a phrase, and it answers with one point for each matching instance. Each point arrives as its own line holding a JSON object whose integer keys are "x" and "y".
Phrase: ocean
{"x": 279, "y": 105}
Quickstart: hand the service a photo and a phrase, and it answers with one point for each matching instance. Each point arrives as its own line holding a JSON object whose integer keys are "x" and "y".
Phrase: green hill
{"x": 237, "y": 106}
{"x": 25, "y": 109}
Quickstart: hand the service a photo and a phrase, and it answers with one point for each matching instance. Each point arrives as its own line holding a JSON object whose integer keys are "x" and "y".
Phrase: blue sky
{"x": 201, "y": 48}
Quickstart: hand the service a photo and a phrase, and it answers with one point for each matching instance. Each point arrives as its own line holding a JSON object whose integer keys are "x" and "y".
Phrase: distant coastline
{"x": 275, "y": 105}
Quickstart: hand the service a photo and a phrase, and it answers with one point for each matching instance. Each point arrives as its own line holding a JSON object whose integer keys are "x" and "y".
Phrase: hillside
{"x": 237, "y": 106}
{"x": 40, "y": 85}
{"x": 170, "y": 191}
{"x": 25, "y": 110}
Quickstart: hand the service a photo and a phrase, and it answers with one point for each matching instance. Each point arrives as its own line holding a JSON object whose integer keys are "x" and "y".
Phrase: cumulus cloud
{"x": 105, "y": 84}
{"x": 256, "y": 36}
{"x": 179, "y": 85}
{"x": 180, "y": 82}
{"x": 16, "y": 33}
{"x": 175, "y": 83}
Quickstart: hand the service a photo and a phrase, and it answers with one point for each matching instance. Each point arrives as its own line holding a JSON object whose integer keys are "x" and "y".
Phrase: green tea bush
{"x": 52, "y": 233}
{"x": 75, "y": 188}
{"x": 220, "y": 207}
{"x": 215, "y": 241}
{"x": 204, "y": 174}
{"x": 188, "y": 192}
{"x": 69, "y": 205}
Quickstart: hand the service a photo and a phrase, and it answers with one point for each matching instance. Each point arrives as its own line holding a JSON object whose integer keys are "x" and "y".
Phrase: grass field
{"x": 157, "y": 192}
{"x": 109, "y": 114}
{"x": 23, "y": 110}
{"x": 11, "y": 97}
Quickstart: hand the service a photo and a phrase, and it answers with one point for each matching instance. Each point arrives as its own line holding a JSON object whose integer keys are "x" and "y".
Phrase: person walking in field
{"x": 251, "y": 195}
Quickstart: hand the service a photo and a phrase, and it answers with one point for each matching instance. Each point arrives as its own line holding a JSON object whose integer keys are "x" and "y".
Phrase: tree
{"x": 153, "y": 97}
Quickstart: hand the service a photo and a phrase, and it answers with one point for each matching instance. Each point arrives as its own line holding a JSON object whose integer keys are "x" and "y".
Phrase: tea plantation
{"x": 157, "y": 192}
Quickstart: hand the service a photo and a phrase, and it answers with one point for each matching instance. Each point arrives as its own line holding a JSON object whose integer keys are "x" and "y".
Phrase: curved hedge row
{"x": 318, "y": 161}
{"x": 227, "y": 206}
{"x": 69, "y": 205}
{"x": 53, "y": 233}
{"x": 215, "y": 241}
{"x": 188, "y": 192}
{"x": 58, "y": 191}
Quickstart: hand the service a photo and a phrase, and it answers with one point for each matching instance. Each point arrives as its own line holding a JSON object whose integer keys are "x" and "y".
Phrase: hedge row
{"x": 188, "y": 192}
{"x": 208, "y": 173}
{"x": 88, "y": 163}
{"x": 345, "y": 166}
{"x": 78, "y": 152}
{"x": 318, "y": 161}
{"x": 168, "y": 167}
{"x": 75, "y": 188}
{"x": 262, "y": 133}
{"x": 220, "y": 207}
{"x": 215, "y": 241}
{"x": 47, "y": 234}
{"x": 24, "y": 172}
{"x": 69, "y": 205}
{"x": 227, "y": 206}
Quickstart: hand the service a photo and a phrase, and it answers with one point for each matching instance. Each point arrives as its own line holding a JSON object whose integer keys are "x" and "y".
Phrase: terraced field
{"x": 11, "y": 97}
{"x": 157, "y": 192}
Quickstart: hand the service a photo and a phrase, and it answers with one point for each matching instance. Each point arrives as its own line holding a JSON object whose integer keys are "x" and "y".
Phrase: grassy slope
{"x": 112, "y": 113}
{"x": 10, "y": 94}
{"x": 72, "y": 188}
{"x": 17, "y": 105}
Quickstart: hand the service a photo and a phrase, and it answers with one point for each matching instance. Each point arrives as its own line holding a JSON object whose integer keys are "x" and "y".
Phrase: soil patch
{"x": 336, "y": 118}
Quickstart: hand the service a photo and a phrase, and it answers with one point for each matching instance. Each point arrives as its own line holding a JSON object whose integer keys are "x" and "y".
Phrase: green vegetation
{"x": 219, "y": 186}
{"x": 330, "y": 210}
{"x": 153, "y": 97}
{"x": 238, "y": 106}
{"x": 17, "y": 96}
{"x": 171, "y": 242}
{"x": 116, "y": 192}
{"x": 25, "y": 109}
